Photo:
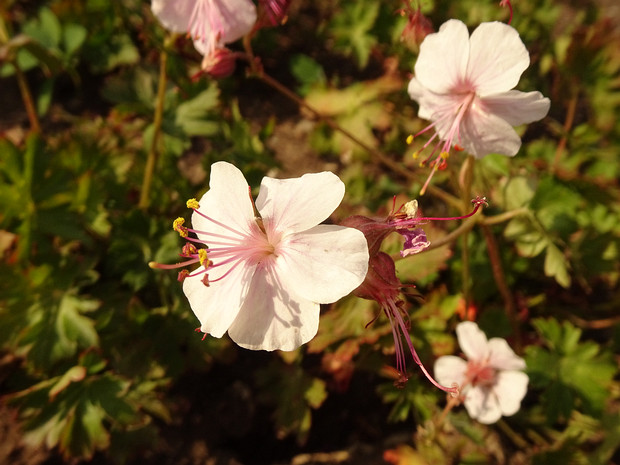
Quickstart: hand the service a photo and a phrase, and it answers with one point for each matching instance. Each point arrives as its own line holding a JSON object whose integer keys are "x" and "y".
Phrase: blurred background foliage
{"x": 98, "y": 359}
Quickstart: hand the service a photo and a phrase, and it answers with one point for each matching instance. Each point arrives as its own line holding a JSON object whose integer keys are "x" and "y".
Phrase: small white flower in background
{"x": 210, "y": 23}
{"x": 463, "y": 85}
{"x": 269, "y": 265}
{"x": 491, "y": 380}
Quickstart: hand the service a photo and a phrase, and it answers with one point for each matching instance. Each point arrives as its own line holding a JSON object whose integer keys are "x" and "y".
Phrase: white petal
{"x": 173, "y": 14}
{"x": 472, "y": 340}
{"x": 517, "y": 107}
{"x": 324, "y": 263}
{"x": 510, "y": 390}
{"x": 217, "y": 306}
{"x": 231, "y": 20}
{"x": 482, "y": 133}
{"x": 228, "y": 202}
{"x": 442, "y": 63}
{"x": 449, "y": 369}
{"x": 433, "y": 106}
{"x": 482, "y": 405}
{"x": 497, "y": 57}
{"x": 294, "y": 205}
{"x": 273, "y": 318}
{"x": 502, "y": 357}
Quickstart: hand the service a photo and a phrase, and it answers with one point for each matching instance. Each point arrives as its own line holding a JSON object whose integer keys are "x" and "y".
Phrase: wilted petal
{"x": 217, "y": 305}
{"x": 294, "y": 205}
{"x": 482, "y": 133}
{"x": 482, "y": 405}
{"x": 449, "y": 369}
{"x": 324, "y": 263}
{"x": 442, "y": 61}
{"x": 273, "y": 318}
{"x": 497, "y": 58}
{"x": 472, "y": 340}
{"x": 510, "y": 390}
{"x": 517, "y": 107}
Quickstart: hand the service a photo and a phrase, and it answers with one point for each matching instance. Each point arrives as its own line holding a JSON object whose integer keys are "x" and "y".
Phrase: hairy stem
{"x": 24, "y": 89}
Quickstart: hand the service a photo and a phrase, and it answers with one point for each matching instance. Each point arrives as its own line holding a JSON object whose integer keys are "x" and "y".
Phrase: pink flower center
{"x": 480, "y": 374}
{"x": 205, "y": 24}
{"x": 256, "y": 245}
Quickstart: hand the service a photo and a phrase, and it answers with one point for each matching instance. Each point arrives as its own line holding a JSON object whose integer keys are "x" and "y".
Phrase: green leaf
{"x": 556, "y": 266}
{"x": 74, "y": 36}
{"x": 193, "y": 115}
{"x": 351, "y": 29}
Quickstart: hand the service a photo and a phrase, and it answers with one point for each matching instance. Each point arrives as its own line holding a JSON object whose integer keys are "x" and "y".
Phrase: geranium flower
{"x": 492, "y": 380}
{"x": 211, "y": 23}
{"x": 383, "y": 286}
{"x": 463, "y": 85}
{"x": 268, "y": 266}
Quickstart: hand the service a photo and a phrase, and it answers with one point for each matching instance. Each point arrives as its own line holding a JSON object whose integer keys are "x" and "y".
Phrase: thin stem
{"x": 568, "y": 123}
{"x": 462, "y": 229}
{"x": 24, "y": 89}
{"x": 466, "y": 179}
{"x": 503, "y": 217}
{"x": 500, "y": 281}
{"x": 513, "y": 435}
{"x": 152, "y": 157}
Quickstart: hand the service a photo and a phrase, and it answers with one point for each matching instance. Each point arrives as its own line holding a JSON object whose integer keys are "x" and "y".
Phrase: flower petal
{"x": 482, "y": 405}
{"x": 229, "y": 20}
{"x": 217, "y": 306}
{"x": 294, "y": 205}
{"x": 517, "y": 107}
{"x": 502, "y": 357}
{"x": 228, "y": 202}
{"x": 449, "y": 369}
{"x": 442, "y": 62}
{"x": 272, "y": 318}
{"x": 510, "y": 390}
{"x": 173, "y": 14}
{"x": 482, "y": 133}
{"x": 472, "y": 340}
{"x": 324, "y": 263}
{"x": 497, "y": 58}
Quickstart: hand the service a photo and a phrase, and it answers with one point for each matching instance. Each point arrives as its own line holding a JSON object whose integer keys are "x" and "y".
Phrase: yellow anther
{"x": 193, "y": 203}
{"x": 445, "y": 155}
{"x": 177, "y": 225}
{"x": 416, "y": 154}
{"x": 204, "y": 260}
{"x": 409, "y": 139}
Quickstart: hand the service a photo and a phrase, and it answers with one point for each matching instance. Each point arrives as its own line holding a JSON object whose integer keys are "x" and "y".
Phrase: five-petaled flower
{"x": 463, "y": 85}
{"x": 210, "y": 23}
{"x": 267, "y": 266}
{"x": 492, "y": 381}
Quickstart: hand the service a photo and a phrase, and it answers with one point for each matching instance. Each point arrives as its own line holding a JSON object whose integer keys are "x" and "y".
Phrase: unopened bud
{"x": 220, "y": 63}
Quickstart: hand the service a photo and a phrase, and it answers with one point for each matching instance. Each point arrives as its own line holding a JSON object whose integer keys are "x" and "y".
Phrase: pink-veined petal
{"x": 482, "y": 133}
{"x": 324, "y": 263}
{"x": 497, "y": 58}
{"x": 173, "y": 14}
{"x": 510, "y": 390}
{"x": 517, "y": 107}
{"x": 217, "y": 306}
{"x": 273, "y": 318}
{"x": 294, "y": 205}
{"x": 227, "y": 201}
{"x": 442, "y": 62}
{"x": 449, "y": 369}
{"x": 482, "y": 405}
{"x": 229, "y": 20}
{"x": 502, "y": 357}
{"x": 472, "y": 340}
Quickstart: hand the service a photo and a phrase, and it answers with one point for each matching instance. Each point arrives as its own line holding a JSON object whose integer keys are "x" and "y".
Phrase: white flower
{"x": 211, "y": 23}
{"x": 463, "y": 85}
{"x": 268, "y": 274}
{"x": 492, "y": 380}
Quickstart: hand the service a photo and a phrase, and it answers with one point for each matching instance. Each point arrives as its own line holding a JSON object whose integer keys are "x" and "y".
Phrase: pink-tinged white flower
{"x": 274, "y": 11}
{"x": 267, "y": 266}
{"x": 210, "y": 23}
{"x": 492, "y": 381}
{"x": 464, "y": 86}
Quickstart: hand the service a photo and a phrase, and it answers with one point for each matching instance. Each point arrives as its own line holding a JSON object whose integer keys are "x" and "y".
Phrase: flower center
{"x": 480, "y": 374}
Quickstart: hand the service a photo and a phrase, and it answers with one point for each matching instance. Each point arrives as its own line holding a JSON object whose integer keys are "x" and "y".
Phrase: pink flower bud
{"x": 220, "y": 63}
